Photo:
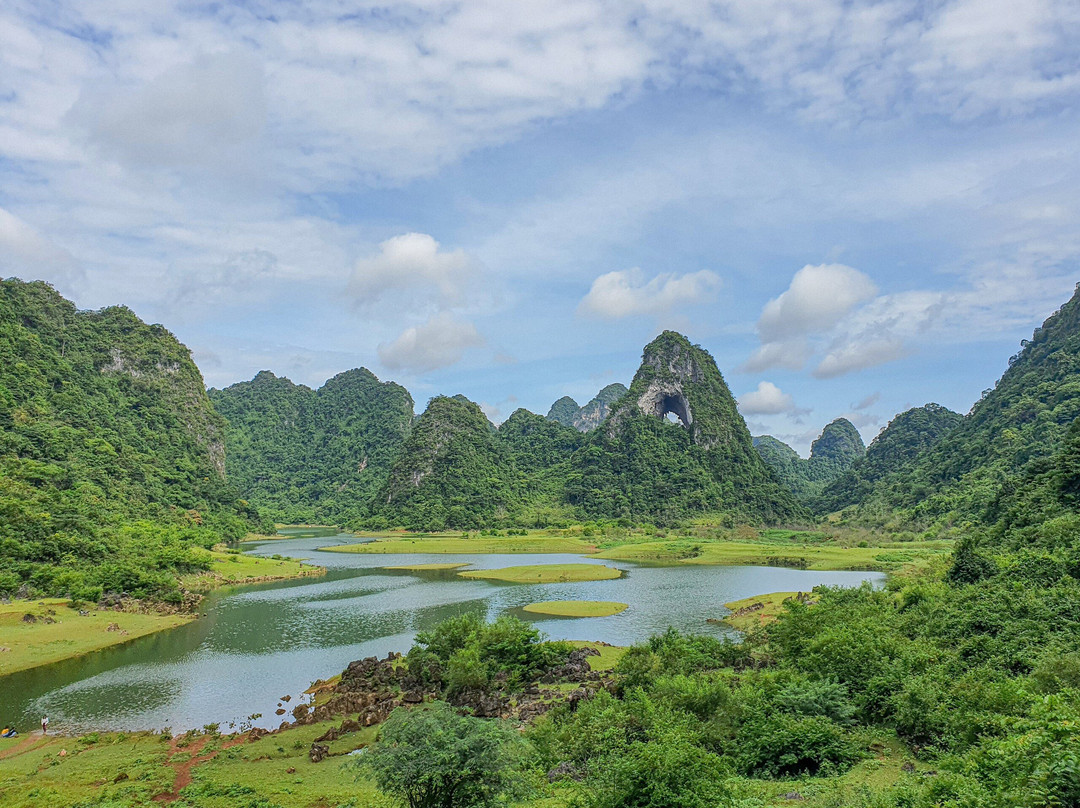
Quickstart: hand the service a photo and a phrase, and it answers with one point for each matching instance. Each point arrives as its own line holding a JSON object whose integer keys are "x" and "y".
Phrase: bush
{"x": 783, "y": 745}
{"x": 435, "y": 758}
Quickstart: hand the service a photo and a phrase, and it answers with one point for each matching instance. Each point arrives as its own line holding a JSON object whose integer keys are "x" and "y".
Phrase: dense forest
{"x": 958, "y": 477}
{"x": 567, "y": 412}
{"x": 837, "y": 448}
{"x": 112, "y": 471}
{"x": 313, "y": 456}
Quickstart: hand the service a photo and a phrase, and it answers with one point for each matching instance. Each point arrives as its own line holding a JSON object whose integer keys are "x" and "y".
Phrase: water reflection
{"x": 259, "y": 643}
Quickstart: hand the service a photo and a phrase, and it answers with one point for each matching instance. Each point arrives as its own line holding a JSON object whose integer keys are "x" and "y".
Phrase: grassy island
{"x": 481, "y": 544}
{"x": 547, "y": 573}
{"x": 577, "y": 608}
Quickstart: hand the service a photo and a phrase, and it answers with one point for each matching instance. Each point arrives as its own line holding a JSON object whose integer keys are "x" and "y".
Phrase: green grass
{"x": 38, "y": 776}
{"x": 547, "y": 573}
{"x": 826, "y": 556}
{"x": 237, "y": 568}
{"x": 882, "y": 769}
{"x": 576, "y": 608}
{"x": 28, "y": 645}
{"x": 772, "y": 606}
{"x": 480, "y": 544}
{"x": 420, "y": 567}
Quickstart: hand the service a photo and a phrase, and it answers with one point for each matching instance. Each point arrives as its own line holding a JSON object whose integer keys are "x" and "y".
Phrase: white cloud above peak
{"x": 768, "y": 399}
{"x": 818, "y": 297}
{"x": 438, "y": 343}
{"x": 412, "y": 262}
{"x": 625, "y": 293}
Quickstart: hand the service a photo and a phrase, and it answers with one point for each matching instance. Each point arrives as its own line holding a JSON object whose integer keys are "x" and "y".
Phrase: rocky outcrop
{"x": 370, "y": 689}
{"x": 587, "y": 418}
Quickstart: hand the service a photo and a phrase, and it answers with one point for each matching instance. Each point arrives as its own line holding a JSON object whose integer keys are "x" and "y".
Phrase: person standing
{"x": 45, "y": 725}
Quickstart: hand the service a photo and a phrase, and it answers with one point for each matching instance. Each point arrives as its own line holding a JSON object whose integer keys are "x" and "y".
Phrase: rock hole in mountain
{"x": 675, "y": 409}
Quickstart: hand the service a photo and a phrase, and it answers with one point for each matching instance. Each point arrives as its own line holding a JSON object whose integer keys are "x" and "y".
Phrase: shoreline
{"x": 59, "y": 632}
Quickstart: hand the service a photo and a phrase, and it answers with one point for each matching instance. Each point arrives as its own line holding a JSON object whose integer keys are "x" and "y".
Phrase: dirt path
{"x": 183, "y": 768}
{"x": 24, "y": 745}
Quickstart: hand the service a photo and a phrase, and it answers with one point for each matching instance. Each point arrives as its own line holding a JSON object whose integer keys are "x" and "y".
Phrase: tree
{"x": 436, "y": 758}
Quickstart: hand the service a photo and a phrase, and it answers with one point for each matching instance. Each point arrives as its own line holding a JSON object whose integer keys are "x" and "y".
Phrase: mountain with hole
{"x": 674, "y": 446}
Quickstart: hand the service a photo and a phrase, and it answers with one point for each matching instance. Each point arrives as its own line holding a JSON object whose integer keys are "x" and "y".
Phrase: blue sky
{"x": 855, "y": 207}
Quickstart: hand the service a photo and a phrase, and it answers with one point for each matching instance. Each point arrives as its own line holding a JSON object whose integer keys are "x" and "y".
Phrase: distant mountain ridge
{"x": 584, "y": 419}
{"x": 641, "y": 466}
{"x": 1009, "y": 432}
{"x": 835, "y": 450}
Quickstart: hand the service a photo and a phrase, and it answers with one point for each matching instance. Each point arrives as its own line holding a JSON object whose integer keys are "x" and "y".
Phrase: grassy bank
{"x": 229, "y": 568}
{"x": 58, "y": 631}
{"x": 696, "y": 544}
{"x": 546, "y": 573}
{"x": 211, "y": 771}
{"x": 759, "y": 610}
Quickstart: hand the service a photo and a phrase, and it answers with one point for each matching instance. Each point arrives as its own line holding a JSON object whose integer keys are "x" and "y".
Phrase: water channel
{"x": 261, "y": 642}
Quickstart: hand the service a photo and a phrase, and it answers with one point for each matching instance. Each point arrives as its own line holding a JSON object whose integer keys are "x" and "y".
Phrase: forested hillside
{"x": 908, "y": 435}
{"x": 640, "y": 465}
{"x": 112, "y": 465}
{"x": 307, "y": 456}
{"x": 1015, "y": 425}
{"x": 452, "y": 472}
{"x": 833, "y": 453}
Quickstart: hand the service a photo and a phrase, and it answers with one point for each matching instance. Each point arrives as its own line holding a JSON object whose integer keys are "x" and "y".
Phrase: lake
{"x": 259, "y": 643}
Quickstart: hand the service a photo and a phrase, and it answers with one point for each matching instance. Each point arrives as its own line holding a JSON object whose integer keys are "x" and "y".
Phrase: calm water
{"x": 262, "y": 642}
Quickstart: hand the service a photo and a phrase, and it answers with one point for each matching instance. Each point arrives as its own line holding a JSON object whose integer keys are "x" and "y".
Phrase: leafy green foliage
{"x": 452, "y": 472}
{"x": 1003, "y": 440}
{"x": 473, "y": 653}
{"x": 111, "y": 456}
{"x": 305, "y": 456}
{"x": 434, "y": 757}
{"x": 906, "y": 437}
{"x": 564, "y": 411}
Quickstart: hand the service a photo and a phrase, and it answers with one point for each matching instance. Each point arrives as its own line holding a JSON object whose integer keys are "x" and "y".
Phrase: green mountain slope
{"x": 111, "y": 456}
{"x": 907, "y": 436}
{"x": 452, "y": 472}
{"x": 835, "y": 450}
{"x": 313, "y": 456}
{"x": 1022, "y": 420}
{"x": 641, "y": 466}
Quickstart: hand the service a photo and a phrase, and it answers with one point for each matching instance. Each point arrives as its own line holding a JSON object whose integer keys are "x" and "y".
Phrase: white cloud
{"x": 27, "y": 253}
{"x": 768, "y": 399}
{"x": 791, "y": 354}
{"x": 625, "y": 293}
{"x": 814, "y": 302}
{"x": 208, "y": 113}
{"x": 858, "y": 355}
{"x": 438, "y": 343}
{"x": 414, "y": 263}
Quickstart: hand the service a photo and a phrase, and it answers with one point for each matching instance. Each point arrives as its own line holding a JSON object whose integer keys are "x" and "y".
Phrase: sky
{"x": 856, "y": 207}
